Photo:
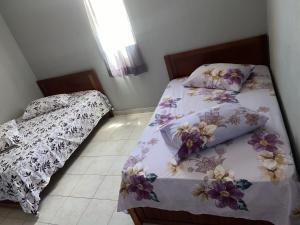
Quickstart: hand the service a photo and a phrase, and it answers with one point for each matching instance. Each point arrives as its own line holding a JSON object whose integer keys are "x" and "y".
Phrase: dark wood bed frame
{"x": 81, "y": 81}
{"x": 253, "y": 50}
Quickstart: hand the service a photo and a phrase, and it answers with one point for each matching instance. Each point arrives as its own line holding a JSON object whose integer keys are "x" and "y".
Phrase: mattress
{"x": 49, "y": 140}
{"x": 239, "y": 178}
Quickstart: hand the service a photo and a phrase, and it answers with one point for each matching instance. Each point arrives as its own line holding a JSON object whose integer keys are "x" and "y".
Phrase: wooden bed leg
{"x": 134, "y": 216}
{"x": 111, "y": 114}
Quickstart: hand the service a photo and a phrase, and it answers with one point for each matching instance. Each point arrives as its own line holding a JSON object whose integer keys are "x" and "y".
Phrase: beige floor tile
{"x": 80, "y": 165}
{"x": 103, "y": 135}
{"x": 129, "y": 146}
{"x": 98, "y": 212}
{"x": 9, "y": 221}
{"x": 71, "y": 211}
{"x": 109, "y": 189}
{"x": 49, "y": 208}
{"x": 65, "y": 185}
{"x": 87, "y": 186}
{"x": 35, "y": 223}
{"x": 136, "y": 116}
{"x": 120, "y": 219}
{"x": 142, "y": 122}
{"x": 122, "y": 133}
{"x": 116, "y": 169}
{"x": 20, "y": 215}
{"x": 94, "y": 148}
{"x": 137, "y": 132}
{"x": 100, "y": 165}
{"x": 89, "y": 149}
{"x": 119, "y": 147}
{"x": 113, "y": 147}
{"x": 108, "y": 128}
{"x": 105, "y": 148}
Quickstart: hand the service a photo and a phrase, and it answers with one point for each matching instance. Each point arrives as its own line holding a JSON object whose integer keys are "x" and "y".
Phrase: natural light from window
{"x": 113, "y": 27}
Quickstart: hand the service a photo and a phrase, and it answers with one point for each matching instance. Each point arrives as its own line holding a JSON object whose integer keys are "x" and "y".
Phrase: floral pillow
{"x": 9, "y": 135}
{"x": 210, "y": 127}
{"x": 220, "y": 76}
{"x": 45, "y": 105}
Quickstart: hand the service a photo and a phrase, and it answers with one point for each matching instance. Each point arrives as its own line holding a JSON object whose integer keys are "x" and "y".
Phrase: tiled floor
{"x": 85, "y": 191}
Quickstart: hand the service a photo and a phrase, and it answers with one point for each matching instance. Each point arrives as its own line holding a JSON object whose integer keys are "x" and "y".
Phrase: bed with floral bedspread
{"x": 250, "y": 177}
{"x": 49, "y": 140}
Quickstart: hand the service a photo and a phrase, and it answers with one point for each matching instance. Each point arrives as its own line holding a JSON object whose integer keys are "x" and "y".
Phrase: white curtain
{"x": 112, "y": 29}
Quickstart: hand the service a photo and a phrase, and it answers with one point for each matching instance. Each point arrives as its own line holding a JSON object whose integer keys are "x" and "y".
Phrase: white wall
{"x": 56, "y": 39}
{"x": 284, "y": 34}
{"x": 17, "y": 81}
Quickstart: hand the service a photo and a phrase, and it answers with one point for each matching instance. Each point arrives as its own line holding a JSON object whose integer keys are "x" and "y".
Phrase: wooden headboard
{"x": 82, "y": 81}
{"x": 253, "y": 50}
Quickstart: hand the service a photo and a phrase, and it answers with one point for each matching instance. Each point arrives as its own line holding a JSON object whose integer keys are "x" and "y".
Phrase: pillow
{"x": 45, "y": 105}
{"x": 9, "y": 135}
{"x": 220, "y": 76}
{"x": 210, "y": 127}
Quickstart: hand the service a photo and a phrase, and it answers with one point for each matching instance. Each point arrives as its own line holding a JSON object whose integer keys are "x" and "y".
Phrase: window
{"x": 111, "y": 26}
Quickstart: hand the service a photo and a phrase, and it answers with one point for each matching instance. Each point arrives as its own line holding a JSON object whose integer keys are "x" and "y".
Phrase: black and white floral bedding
{"x": 49, "y": 140}
{"x": 45, "y": 105}
{"x": 9, "y": 135}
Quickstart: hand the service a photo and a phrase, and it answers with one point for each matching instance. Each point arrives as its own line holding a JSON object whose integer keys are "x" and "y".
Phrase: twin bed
{"x": 154, "y": 188}
{"x": 50, "y": 139}
{"x": 261, "y": 187}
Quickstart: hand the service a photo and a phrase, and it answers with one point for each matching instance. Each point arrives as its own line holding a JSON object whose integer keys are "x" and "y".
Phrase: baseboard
{"x": 134, "y": 111}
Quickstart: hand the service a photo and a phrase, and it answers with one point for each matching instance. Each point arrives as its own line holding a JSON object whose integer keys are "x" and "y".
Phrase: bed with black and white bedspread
{"x": 49, "y": 140}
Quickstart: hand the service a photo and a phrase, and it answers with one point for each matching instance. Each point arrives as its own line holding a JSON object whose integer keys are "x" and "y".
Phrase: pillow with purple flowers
{"x": 220, "y": 76}
{"x": 210, "y": 127}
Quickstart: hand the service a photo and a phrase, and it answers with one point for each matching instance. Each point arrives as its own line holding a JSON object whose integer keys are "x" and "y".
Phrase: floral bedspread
{"x": 49, "y": 140}
{"x": 250, "y": 177}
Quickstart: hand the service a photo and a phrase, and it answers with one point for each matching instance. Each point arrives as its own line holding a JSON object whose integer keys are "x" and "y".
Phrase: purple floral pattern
{"x": 225, "y": 97}
{"x": 264, "y": 140}
{"x": 197, "y": 173}
{"x": 194, "y": 138}
{"x": 259, "y": 81}
{"x": 213, "y": 117}
{"x": 135, "y": 181}
{"x": 203, "y": 164}
{"x": 142, "y": 187}
{"x": 144, "y": 148}
{"x": 226, "y": 194}
{"x": 273, "y": 160}
{"x": 195, "y": 133}
{"x": 190, "y": 143}
{"x": 263, "y": 109}
{"x": 219, "y": 76}
{"x": 199, "y": 91}
{"x": 213, "y": 95}
{"x": 252, "y": 119}
{"x": 220, "y": 96}
{"x": 234, "y": 76}
{"x": 169, "y": 102}
{"x": 162, "y": 119}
